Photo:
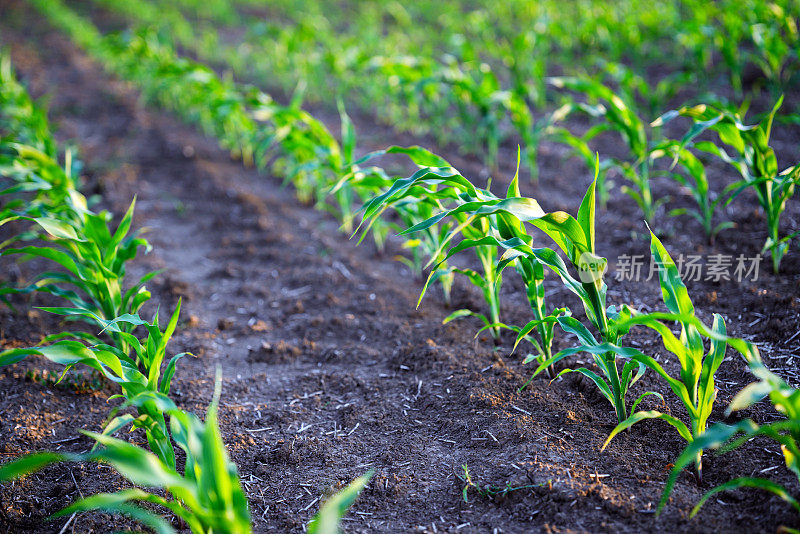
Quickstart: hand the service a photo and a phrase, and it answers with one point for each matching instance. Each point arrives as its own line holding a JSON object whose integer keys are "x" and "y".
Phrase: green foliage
{"x": 695, "y": 388}
{"x": 468, "y": 75}
{"x": 724, "y": 437}
{"x": 419, "y": 200}
{"x": 141, "y": 380}
{"x": 694, "y": 179}
{"x": 474, "y": 74}
{"x": 330, "y": 514}
{"x": 752, "y": 157}
{"x": 618, "y": 116}
{"x": 93, "y": 261}
{"x": 32, "y": 182}
{"x": 207, "y": 495}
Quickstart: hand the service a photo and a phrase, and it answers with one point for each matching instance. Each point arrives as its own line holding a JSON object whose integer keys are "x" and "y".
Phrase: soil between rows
{"x": 329, "y": 369}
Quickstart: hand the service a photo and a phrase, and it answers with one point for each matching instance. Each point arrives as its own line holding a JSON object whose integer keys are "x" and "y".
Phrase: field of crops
{"x": 316, "y": 266}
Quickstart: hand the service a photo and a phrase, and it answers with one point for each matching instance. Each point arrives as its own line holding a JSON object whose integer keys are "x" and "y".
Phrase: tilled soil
{"x": 330, "y": 371}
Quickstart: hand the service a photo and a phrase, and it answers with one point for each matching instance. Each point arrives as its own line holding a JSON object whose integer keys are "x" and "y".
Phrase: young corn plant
{"x": 446, "y": 187}
{"x": 695, "y": 387}
{"x": 576, "y": 239}
{"x": 499, "y": 225}
{"x": 20, "y": 118}
{"x": 32, "y": 182}
{"x": 724, "y": 437}
{"x": 358, "y": 184}
{"x": 302, "y": 150}
{"x": 34, "y": 185}
{"x": 93, "y": 259}
{"x": 484, "y": 221}
{"x": 208, "y": 495}
{"x": 694, "y": 179}
{"x": 618, "y": 116}
{"x": 142, "y": 382}
{"x": 423, "y": 197}
{"x": 409, "y": 211}
{"x": 752, "y": 157}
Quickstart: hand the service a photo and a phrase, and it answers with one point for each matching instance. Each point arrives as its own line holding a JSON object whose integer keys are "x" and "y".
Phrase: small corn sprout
{"x": 752, "y": 157}
{"x": 724, "y": 437}
{"x": 207, "y": 495}
{"x": 143, "y": 384}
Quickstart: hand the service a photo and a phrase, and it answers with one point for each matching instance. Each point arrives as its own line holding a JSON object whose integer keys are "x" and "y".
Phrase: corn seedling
{"x": 93, "y": 259}
{"x": 141, "y": 380}
{"x": 32, "y": 183}
{"x": 697, "y": 184}
{"x": 419, "y": 201}
{"x": 695, "y": 388}
{"x": 724, "y": 437}
{"x": 488, "y": 223}
{"x": 207, "y": 495}
{"x": 618, "y": 116}
{"x": 35, "y": 185}
{"x": 752, "y": 157}
{"x": 576, "y": 239}
{"x": 447, "y": 187}
{"x": 370, "y": 181}
{"x": 20, "y": 118}
{"x": 499, "y": 225}
{"x": 483, "y": 220}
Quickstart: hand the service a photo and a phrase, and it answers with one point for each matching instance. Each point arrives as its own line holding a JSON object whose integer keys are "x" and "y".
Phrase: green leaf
{"x": 713, "y": 438}
{"x": 57, "y": 228}
{"x": 137, "y": 465}
{"x": 30, "y": 464}
{"x": 327, "y": 519}
{"x": 679, "y": 425}
{"x": 749, "y": 482}
{"x": 117, "y": 503}
{"x": 586, "y": 212}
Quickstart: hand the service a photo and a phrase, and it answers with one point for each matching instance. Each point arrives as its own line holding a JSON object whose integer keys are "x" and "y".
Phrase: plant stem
{"x": 616, "y": 389}
{"x": 491, "y": 290}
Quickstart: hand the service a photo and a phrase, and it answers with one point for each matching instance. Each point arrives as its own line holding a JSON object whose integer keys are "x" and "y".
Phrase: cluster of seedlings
{"x": 205, "y": 492}
{"x": 439, "y": 212}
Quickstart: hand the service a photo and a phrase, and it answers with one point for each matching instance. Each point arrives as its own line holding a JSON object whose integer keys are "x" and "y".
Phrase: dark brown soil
{"x": 329, "y": 369}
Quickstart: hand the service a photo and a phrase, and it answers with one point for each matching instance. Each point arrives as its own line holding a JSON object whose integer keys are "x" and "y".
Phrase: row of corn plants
{"x": 714, "y": 40}
{"x": 36, "y": 188}
{"x": 447, "y": 214}
{"x": 318, "y": 42}
{"x": 463, "y": 94}
{"x": 752, "y": 156}
{"x": 472, "y": 96}
{"x": 257, "y": 130}
{"x": 474, "y": 38}
{"x": 698, "y": 349}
